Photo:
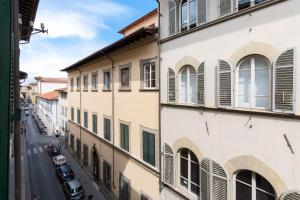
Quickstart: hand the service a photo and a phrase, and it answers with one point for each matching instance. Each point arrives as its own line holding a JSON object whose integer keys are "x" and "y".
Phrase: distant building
{"x": 113, "y": 112}
{"x": 63, "y": 112}
{"x": 47, "y": 109}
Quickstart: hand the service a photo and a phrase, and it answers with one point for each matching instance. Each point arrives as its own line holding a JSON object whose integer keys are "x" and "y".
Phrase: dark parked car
{"x": 53, "y": 151}
{"x": 64, "y": 173}
{"x": 74, "y": 190}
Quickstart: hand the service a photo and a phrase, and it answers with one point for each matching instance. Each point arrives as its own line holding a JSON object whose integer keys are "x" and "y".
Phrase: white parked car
{"x": 59, "y": 160}
{"x": 26, "y": 112}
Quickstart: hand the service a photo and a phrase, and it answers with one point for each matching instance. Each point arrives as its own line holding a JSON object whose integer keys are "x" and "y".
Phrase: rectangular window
{"x": 95, "y": 81}
{"x": 149, "y": 148}
{"x": 72, "y": 84}
{"x": 124, "y": 131}
{"x": 85, "y": 83}
{"x": 78, "y": 82}
{"x": 107, "y": 129}
{"x": 149, "y": 76}
{"x": 95, "y": 125}
{"x": 78, "y": 116}
{"x": 107, "y": 175}
{"x": 85, "y": 118}
{"x": 125, "y": 77}
{"x": 106, "y": 80}
{"x": 125, "y": 188}
{"x": 244, "y": 4}
{"x": 72, "y": 114}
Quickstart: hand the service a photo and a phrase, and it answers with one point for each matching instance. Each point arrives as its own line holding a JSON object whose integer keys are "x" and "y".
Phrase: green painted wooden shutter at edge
{"x": 95, "y": 128}
{"x": 107, "y": 129}
{"x": 149, "y": 148}
{"x": 124, "y": 137}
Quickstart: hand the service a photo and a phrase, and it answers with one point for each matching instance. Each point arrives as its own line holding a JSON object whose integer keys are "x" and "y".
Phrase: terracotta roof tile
{"x": 53, "y": 95}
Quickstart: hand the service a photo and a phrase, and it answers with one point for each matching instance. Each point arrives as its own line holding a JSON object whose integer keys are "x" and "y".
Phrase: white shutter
{"x": 172, "y": 17}
{"x": 225, "y": 7}
{"x": 202, "y": 4}
{"x": 171, "y": 86}
{"x": 283, "y": 86}
{"x": 168, "y": 165}
{"x": 291, "y": 196}
{"x": 205, "y": 180}
{"x": 200, "y": 84}
{"x": 224, "y": 84}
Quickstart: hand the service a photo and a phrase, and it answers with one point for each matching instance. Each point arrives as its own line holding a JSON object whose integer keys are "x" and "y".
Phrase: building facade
{"x": 47, "y": 109}
{"x": 63, "y": 112}
{"x": 113, "y": 112}
{"x": 230, "y": 99}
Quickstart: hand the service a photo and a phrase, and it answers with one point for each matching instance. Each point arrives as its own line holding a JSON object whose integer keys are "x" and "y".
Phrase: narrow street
{"x": 39, "y": 171}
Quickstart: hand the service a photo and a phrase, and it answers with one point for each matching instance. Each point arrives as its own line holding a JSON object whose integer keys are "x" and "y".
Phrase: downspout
{"x": 113, "y": 113}
{"x": 80, "y": 107}
{"x": 159, "y": 98}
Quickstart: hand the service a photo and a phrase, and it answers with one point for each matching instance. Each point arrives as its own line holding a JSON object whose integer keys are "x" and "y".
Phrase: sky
{"x": 76, "y": 28}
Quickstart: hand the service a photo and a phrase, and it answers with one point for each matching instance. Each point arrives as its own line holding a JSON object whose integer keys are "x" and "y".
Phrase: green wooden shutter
{"x": 126, "y": 138}
{"x": 145, "y": 147}
{"x": 151, "y": 150}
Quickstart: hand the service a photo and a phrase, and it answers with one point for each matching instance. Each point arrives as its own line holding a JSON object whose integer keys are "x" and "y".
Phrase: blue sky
{"x": 77, "y": 28}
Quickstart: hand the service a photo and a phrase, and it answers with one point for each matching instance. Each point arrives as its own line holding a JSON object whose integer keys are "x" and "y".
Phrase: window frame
{"x": 105, "y": 88}
{"x": 188, "y": 15}
{"x": 147, "y": 131}
{"x": 85, "y": 83}
{"x": 252, "y": 103}
{"x": 252, "y": 4}
{"x": 189, "y": 98}
{"x": 95, "y": 126}
{"x": 104, "y": 128}
{"x": 123, "y": 146}
{"x": 143, "y": 63}
{"x": 78, "y": 83}
{"x": 95, "y": 87}
{"x": 122, "y": 87}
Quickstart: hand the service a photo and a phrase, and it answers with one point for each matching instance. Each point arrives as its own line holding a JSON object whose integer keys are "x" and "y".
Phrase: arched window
{"x": 252, "y": 186}
{"x": 189, "y": 171}
{"x": 188, "y": 14}
{"x": 188, "y": 85}
{"x": 172, "y": 17}
{"x": 254, "y": 83}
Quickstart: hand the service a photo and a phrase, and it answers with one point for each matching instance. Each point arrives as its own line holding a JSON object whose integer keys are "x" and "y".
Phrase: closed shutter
{"x": 168, "y": 165}
{"x": 225, "y": 84}
{"x": 284, "y": 82}
{"x": 145, "y": 147}
{"x": 205, "y": 180}
{"x": 291, "y": 196}
{"x": 225, "y": 7}
{"x": 200, "y": 84}
{"x": 171, "y": 86}
{"x": 172, "y": 17}
{"x": 151, "y": 148}
{"x": 219, "y": 180}
{"x": 202, "y": 11}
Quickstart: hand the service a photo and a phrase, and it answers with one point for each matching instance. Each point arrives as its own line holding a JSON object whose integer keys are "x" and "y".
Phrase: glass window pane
{"x": 193, "y": 12}
{"x": 262, "y": 82}
{"x": 263, "y": 184}
{"x": 263, "y": 196}
{"x": 243, "y": 192}
{"x": 244, "y": 4}
{"x": 183, "y": 87}
{"x": 184, "y": 182}
{"x": 125, "y": 77}
{"x": 195, "y": 189}
{"x": 184, "y": 15}
{"x": 245, "y": 176}
{"x": 244, "y": 86}
{"x": 184, "y": 153}
{"x": 184, "y": 168}
{"x": 195, "y": 173}
{"x": 193, "y": 88}
{"x": 262, "y": 102}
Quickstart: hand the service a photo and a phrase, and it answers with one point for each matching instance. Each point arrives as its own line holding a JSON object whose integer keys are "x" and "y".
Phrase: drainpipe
{"x": 113, "y": 112}
{"x": 80, "y": 107}
{"x": 159, "y": 97}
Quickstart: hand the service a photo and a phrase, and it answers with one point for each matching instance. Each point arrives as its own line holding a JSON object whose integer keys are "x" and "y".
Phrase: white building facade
{"x": 230, "y": 99}
{"x": 47, "y": 109}
{"x": 63, "y": 112}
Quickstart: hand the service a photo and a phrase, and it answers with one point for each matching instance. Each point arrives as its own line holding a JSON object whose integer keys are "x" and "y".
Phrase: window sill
{"x": 85, "y": 90}
{"x": 94, "y": 90}
{"x": 106, "y": 90}
{"x": 124, "y": 90}
{"x": 149, "y": 90}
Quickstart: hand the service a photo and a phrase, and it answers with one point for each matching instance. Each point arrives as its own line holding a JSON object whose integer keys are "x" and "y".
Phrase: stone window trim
{"x": 72, "y": 84}
{"x": 93, "y": 89}
{"x": 155, "y": 132}
{"x": 111, "y": 128}
{"x": 142, "y": 76}
{"x": 111, "y": 82}
{"x": 85, "y": 87}
{"x": 125, "y": 88}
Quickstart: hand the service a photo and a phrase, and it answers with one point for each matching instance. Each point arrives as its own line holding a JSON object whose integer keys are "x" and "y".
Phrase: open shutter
{"x": 225, "y": 7}
{"x": 172, "y": 17}
{"x": 151, "y": 149}
{"x": 219, "y": 181}
{"x": 283, "y": 85}
{"x": 224, "y": 84}
{"x": 171, "y": 86}
{"x": 200, "y": 84}
{"x": 291, "y": 196}
{"x": 201, "y": 11}
{"x": 205, "y": 180}
{"x": 168, "y": 165}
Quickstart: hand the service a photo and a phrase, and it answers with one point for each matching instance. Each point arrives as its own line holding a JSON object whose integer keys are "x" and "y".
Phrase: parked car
{"x": 74, "y": 190}
{"x": 64, "y": 173}
{"x": 59, "y": 160}
{"x": 26, "y": 112}
{"x": 53, "y": 151}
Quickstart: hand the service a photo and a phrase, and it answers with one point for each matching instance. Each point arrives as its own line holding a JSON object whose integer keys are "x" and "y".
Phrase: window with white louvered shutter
{"x": 168, "y": 165}
{"x": 283, "y": 85}
{"x": 291, "y": 196}
{"x": 171, "y": 86}
{"x": 224, "y": 84}
{"x": 200, "y": 84}
{"x": 225, "y": 7}
{"x": 214, "y": 184}
{"x": 202, "y": 11}
{"x": 172, "y": 17}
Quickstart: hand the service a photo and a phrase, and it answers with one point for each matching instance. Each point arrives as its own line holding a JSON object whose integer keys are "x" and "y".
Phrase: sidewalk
{"x": 86, "y": 180}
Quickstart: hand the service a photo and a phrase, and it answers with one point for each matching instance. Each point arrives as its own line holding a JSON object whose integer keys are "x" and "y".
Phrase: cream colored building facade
{"x": 113, "y": 110}
{"x": 230, "y": 98}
